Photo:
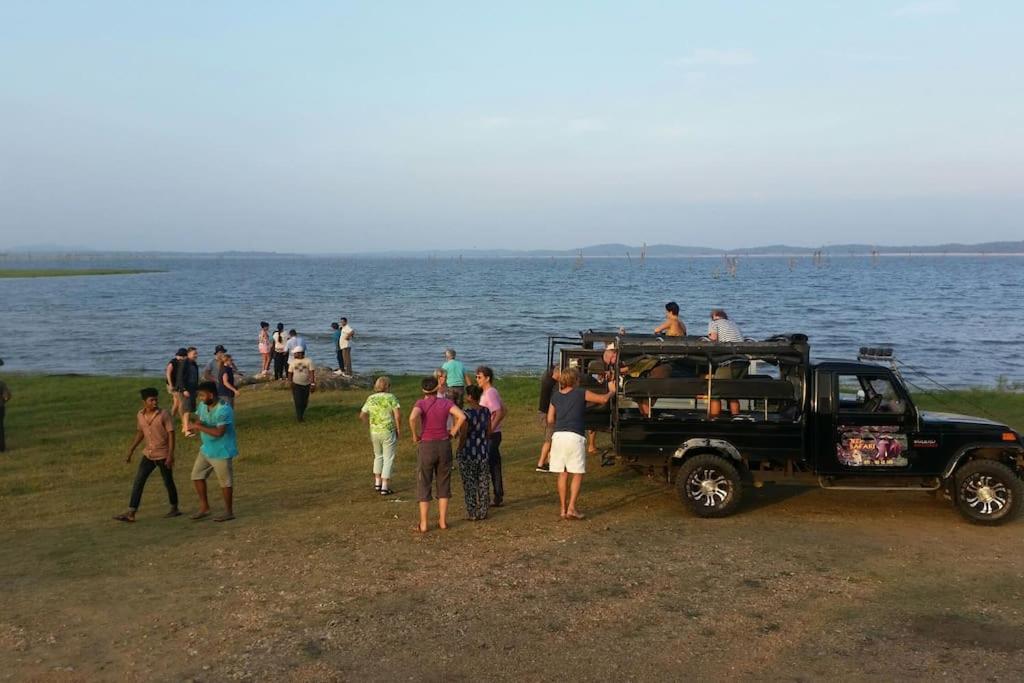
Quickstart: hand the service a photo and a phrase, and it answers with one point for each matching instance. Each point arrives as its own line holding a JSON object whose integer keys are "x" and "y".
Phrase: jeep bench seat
{"x": 777, "y": 389}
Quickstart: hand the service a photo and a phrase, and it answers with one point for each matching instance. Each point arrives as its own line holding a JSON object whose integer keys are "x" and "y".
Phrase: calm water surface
{"x": 957, "y": 317}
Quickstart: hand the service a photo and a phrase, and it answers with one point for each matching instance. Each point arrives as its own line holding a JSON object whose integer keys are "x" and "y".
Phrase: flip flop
{"x": 223, "y": 518}
{"x": 200, "y": 515}
{"x": 173, "y": 513}
{"x": 123, "y": 518}
{"x": 386, "y": 492}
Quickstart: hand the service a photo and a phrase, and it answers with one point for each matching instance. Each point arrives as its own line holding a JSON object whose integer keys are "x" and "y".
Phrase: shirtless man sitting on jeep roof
{"x": 673, "y": 326}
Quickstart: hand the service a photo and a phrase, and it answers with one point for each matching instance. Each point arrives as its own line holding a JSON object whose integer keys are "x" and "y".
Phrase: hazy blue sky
{"x": 336, "y": 126}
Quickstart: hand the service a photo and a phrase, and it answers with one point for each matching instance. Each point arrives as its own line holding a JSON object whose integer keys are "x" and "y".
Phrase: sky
{"x": 352, "y": 127}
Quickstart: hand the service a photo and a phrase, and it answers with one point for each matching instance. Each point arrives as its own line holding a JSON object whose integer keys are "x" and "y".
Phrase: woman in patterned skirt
{"x": 472, "y": 455}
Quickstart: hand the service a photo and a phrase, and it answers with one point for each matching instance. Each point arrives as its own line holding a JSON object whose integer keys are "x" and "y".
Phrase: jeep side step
{"x": 854, "y": 483}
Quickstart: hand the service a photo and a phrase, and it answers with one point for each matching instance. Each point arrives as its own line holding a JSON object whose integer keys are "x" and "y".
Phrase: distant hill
{"x": 612, "y": 250}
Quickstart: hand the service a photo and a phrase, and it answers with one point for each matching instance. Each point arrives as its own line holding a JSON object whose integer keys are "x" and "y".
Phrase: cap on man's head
{"x": 182, "y": 352}
{"x": 219, "y": 349}
{"x": 298, "y": 349}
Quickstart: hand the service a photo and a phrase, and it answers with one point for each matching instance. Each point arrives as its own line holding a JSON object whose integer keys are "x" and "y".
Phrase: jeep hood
{"x": 956, "y": 421}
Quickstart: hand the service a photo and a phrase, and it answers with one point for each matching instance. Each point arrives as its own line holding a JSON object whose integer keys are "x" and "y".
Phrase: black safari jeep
{"x": 718, "y": 416}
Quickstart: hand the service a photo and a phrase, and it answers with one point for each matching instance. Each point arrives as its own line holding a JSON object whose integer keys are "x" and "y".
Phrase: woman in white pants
{"x": 569, "y": 441}
{"x": 384, "y": 414}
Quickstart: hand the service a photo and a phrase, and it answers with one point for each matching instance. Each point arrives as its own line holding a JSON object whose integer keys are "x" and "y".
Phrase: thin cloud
{"x": 712, "y": 57}
{"x": 927, "y": 8}
{"x": 586, "y": 125}
{"x": 494, "y": 122}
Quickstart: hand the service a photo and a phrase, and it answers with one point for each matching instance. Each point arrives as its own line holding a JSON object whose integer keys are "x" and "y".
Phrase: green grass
{"x": 319, "y": 578}
{"x": 69, "y": 272}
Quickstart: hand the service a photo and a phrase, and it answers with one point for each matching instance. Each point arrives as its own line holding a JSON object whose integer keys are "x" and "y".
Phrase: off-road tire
{"x": 709, "y": 485}
{"x": 988, "y": 492}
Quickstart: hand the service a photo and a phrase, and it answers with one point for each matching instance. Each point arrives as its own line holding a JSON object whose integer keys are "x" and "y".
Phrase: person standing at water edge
{"x": 430, "y": 433}
{"x": 474, "y": 444}
{"x": 280, "y": 343}
{"x": 155, "y": 426}
{"x": 265, "y": 348}
{"x": 568, "y": 440}
{"x": 294, "y": 340}
{"x": 5, "y": 397}
{"x": 491, "y": 400}
{"x": 302, "y": 378}
{"x": 215, "y": 420}
{"x": 336, "y": 343}
{"x": 384, "y": 414}
{"x": 673, "y": 326}
{"x": 347, "y": 333}
{"x": 457, "y": 379}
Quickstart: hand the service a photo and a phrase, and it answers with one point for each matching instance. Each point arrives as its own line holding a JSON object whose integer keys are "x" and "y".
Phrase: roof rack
{"x": 880, "y": 355}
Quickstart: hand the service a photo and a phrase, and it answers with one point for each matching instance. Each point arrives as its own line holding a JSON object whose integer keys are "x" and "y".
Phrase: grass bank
{"x": 7, "y": 273}
{"x": 319, "y": 578}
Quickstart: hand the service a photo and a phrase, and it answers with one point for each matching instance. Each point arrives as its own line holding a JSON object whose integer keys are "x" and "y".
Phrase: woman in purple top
{"x": 432, "y": 436}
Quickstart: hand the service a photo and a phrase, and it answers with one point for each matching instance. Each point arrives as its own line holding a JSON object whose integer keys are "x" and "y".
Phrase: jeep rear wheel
{"x": 709, "y": 485}
{"x": 988, "y": 492}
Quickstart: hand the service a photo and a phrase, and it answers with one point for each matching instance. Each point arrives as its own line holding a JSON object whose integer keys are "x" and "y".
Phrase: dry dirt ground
{"x": 321, "y": 579}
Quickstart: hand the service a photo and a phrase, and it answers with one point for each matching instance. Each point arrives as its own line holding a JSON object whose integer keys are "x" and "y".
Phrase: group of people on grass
{"x": 469, "y": 413}
{"x": 455, "y": 407}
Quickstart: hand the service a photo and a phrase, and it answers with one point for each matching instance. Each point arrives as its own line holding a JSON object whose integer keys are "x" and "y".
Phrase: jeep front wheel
{"x": 709, "y": 485}
{"x": 988, "y": 492}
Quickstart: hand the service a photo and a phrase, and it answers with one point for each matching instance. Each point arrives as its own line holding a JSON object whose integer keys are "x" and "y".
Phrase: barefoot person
{"x": 472, "y": 456}
{"x": 430, "y": 433}
{"x": 491, "y": 400}
{"x": 171, "y": 373}
{"x": 568, "y": 441}
{"x": 215, "y": 421}
{"x": 264, "y": 346}
{"x": 673, "y": 326}
{"x": 155, "y": 426}
{"x": 188, "y": 387}
{"x": 384, "y": 414}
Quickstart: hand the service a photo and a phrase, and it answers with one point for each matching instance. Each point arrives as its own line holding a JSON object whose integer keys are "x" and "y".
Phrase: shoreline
{"x": 35, "y": 273}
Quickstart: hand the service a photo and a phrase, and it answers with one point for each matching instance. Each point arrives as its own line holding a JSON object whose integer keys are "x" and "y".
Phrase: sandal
{"x": 173, "y": 513}
{"x": 123, "y": 517}
{"x": 377, "y": 487}
{"x": 224, "y": 518}
{"x": 200, "y": 515}
{"x": 386, "y": 492}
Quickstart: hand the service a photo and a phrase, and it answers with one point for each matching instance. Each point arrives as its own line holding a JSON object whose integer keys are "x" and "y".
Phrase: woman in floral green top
{"x": 384, "y": 414}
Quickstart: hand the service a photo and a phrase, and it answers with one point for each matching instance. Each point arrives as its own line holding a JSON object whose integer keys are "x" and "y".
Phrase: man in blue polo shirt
{"x": 215, "y": 422}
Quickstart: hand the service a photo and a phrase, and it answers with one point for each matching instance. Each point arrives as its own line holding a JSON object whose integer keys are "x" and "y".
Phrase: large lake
{"x": 959, "y": 318}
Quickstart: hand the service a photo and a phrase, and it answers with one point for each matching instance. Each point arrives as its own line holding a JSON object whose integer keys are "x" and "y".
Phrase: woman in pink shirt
{"x": 491, "y": 400}
{"x": 432, "y": 436}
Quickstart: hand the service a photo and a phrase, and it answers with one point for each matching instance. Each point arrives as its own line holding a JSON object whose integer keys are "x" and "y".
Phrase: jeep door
{"x": 871, "y": 426}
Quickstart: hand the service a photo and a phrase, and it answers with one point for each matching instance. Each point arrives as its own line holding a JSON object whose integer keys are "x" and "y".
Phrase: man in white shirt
{"x": 345, "y": 344}
{"x": 302, "y": 378}
{"x": 294, "y": 341}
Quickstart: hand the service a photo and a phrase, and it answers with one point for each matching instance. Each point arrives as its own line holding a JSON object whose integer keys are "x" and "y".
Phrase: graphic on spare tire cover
{"x": 871, "y": 446}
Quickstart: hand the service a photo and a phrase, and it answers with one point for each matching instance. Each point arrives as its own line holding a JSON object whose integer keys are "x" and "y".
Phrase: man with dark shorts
{"x": 188, "y": 383}
{"x": 491, "y": 400}
{"x": 171, "y": 373}
{"x": 155, "y": 426}
{"x": 215, "y": 421}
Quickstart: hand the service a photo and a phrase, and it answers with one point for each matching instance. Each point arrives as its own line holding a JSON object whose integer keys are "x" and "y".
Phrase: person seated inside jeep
{"x": 642, "y": 366}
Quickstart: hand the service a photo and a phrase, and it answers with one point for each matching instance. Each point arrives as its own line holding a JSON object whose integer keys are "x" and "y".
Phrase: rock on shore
{"x": 326, "y": 380}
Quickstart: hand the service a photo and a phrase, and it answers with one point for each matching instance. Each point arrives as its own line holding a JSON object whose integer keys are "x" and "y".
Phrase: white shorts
{"x": 568, "y": 453}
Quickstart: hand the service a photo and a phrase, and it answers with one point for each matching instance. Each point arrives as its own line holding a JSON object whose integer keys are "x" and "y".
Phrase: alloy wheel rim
{"x": 708, "y": 487}
{"x": 986, "y": 495}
